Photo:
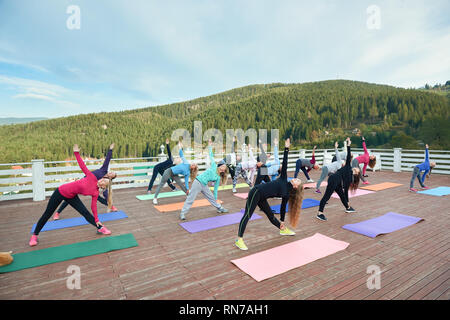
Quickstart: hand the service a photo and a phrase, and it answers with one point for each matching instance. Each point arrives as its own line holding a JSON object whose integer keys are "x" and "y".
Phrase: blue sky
{"x": 134, "y": 54}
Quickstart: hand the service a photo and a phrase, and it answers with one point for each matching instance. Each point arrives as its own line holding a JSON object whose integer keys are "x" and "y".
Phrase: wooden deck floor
{"x": 171, "y": 263}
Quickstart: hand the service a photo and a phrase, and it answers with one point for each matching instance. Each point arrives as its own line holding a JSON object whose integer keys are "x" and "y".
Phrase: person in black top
{"x": 340, "y": 182}
{"x": 289, "y": 191}
{"x": 160, "y": 168}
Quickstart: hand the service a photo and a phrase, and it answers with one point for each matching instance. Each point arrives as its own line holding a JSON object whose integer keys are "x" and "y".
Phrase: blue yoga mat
{"x": 306, "y": 203}
{"x": 80, "y": 221}
{"x": 439, "y": 191}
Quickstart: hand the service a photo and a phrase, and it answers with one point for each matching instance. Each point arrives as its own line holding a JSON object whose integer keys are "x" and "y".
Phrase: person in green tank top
{"x": 217, "y": 174}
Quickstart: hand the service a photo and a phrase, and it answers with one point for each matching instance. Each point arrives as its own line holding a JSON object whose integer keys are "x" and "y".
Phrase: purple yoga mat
{"x": 215, "y": 222}
{"x": 387, "y": 223}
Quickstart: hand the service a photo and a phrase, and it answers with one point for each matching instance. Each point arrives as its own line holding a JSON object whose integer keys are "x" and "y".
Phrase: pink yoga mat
{"x": 359, "y": 192}
{"x": 313, "y": 185}
{"x": 241, "y": 195}
{"x": 272, "y": 262}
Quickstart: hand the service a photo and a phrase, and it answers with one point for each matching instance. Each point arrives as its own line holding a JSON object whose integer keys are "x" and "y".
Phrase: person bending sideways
{"x": 217, "y": 174}
{"x": 306, "y": 165}
{"x": 88, "y": 186}
{"x": 426, "y": 167}
{"x": 100, "y": 173}
{"x": 340, "y": 182}
{"x": 289, "y": 191}
{"x": 185, "y": 168}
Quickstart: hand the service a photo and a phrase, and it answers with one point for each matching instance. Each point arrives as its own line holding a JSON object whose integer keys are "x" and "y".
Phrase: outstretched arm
{"x": 349, "y": 155}
{"x": 338, "y": 156}
{"x": 107, "y": 159}
{"x": 169, "y": 154}
{"x": 287, "y": 145}
{"x": 364, "y": 146}
{"x": 80, "y": 161}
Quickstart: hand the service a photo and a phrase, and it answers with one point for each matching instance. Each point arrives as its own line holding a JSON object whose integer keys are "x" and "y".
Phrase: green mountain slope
{"x": 310, "y": 113}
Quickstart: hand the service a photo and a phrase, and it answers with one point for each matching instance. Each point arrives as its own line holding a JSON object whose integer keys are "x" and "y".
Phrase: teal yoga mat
{"x": 162, "y": 195}
{"x": 439, "y": 191}
{"x": 66, "y": 252}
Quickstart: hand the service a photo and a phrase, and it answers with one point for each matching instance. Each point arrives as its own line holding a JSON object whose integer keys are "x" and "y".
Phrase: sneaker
{"x": 321, "y": 217}
{"x": 114, "y": 209}
{"x": 33, "y": 241}
{"x": 366, "y": 182}
{"x": 103, "y": 230}
{"x": 182, "y": 216}
{"x": 155, "y": 201}
{"x": 175, "y": 189}
{"x": 310, "y": 180}
{"x": 149, "y": 191}
{"x": 425, "y": 187}
{"x": 286, "y": 232}
{"x": 56, "y": 216}
{"x": 318, "y": 191}
{"x": 413, "y": 190}
{"x": 240, "y": 244}
{"x": 234, "y": 190}
{"x": 222, "y": 210}
{"x": 350, "y": 210}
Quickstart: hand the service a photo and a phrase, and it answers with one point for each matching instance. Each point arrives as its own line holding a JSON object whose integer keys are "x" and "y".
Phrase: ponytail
{"x": 110, "y": 197}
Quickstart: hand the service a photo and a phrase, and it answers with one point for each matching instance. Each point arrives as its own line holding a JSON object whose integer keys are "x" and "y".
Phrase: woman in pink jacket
{"x": 88, "y": 186}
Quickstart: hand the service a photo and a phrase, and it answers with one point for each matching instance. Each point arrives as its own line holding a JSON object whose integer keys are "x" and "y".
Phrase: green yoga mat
{"x": 66, "y": 252}
{"x": 161, "y": 195}
{"x": 230, "y": 186}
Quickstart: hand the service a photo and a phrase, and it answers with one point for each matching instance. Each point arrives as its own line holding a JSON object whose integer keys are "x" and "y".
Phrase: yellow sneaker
{"x": 286, "y": 232}
{"x": 240, "y": 244}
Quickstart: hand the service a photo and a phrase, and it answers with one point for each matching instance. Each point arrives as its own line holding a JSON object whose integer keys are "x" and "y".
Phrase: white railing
{"x": 39, "y": 178}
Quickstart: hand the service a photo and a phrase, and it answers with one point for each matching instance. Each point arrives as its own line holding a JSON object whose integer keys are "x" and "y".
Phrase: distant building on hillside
{"x": 356, "y": 131}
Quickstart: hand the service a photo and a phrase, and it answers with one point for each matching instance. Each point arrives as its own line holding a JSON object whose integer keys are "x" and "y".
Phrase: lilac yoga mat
{"x": 387, "y": 223}
{"x": 215, "y": 222}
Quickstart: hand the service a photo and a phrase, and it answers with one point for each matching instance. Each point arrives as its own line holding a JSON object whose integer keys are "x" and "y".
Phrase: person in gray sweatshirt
{"x": 331, "y": 167}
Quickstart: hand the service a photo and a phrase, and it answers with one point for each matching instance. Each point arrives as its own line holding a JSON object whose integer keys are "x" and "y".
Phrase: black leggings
{"x": 64, "y": 204}
{"x": 262, "y": 175}
{"x": 334, "y": 185}
{"x": 254, "y": 199}
{"x": 159, "y": 169}
{"x": 54, "y": 202}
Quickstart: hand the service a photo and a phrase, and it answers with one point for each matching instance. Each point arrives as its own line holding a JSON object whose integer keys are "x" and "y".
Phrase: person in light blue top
{"x": 186, "y": 169}
{"x": 217, "y": 174}
{"x": 273, "y": 166}
{"x": 426, "y": 167}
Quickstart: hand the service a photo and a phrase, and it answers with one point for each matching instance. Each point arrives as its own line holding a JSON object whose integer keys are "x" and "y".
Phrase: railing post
{"x": 38, "y": 179}
{"x": 397, "y": 159}
{"x": 325, "y": 154}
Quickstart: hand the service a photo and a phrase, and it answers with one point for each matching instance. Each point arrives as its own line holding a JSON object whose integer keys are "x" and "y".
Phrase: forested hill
{"x": 310, "y": 113}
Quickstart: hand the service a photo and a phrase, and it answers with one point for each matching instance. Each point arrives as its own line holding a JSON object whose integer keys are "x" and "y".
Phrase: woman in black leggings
{"x": 88, "y": 186}
{"x": 289, "y": 191}
{"x": 160, "y": 168}
{"x": 340, "y": 182}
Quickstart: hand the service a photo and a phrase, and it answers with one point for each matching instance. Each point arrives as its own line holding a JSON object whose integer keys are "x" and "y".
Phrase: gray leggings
{"x": 355, "y": 164}
{"x": 168, "y": 174}
{"x": 416, "y": 173}
{"x": 240, "y": 172}
{"x": 195, "y": 189}
{"x": 323, "y": 175}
